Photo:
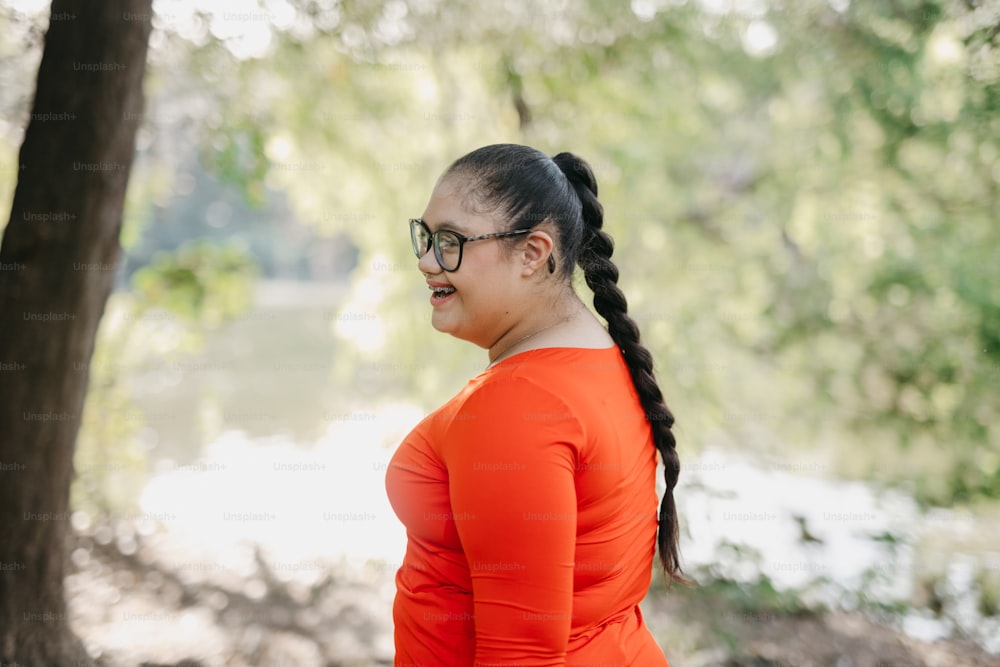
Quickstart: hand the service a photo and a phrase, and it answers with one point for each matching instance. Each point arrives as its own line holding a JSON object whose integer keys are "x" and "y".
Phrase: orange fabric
{"x": 530, "y": 507}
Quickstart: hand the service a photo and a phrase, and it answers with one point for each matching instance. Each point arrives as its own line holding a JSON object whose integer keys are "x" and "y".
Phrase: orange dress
{"x": 530, "y": 507}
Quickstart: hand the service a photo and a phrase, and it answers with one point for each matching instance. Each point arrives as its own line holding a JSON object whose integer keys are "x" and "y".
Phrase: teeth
{"x": 442, "y": 291}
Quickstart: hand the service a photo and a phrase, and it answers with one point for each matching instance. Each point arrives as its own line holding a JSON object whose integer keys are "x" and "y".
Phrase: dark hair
{"x": 525, "y": 187}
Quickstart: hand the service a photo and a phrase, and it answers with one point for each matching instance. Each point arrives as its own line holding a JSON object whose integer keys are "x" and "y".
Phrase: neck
{"x": 513, "y": 340}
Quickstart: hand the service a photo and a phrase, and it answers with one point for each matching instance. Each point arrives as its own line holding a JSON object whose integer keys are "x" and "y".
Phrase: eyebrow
{"x": 447, "y": 224}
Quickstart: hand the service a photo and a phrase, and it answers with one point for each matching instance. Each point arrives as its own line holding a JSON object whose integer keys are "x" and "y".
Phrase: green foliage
{"x": 988, "y": 584}
{"x": 237, "y": 156}
{"x": 201, "y": 283}
{"x": 867, "y": 597}
{"x": 753, "y": 592}
{"x": 757, "y": 597}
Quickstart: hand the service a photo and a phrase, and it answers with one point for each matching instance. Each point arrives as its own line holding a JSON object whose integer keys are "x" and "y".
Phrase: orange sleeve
{"x": 511, "y": 460}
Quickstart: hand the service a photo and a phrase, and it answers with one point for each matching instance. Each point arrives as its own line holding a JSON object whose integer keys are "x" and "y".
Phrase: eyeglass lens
{"x": 447, "y": 249}
{"x": 420, "y": 237}
{"x": 447, "y": 245}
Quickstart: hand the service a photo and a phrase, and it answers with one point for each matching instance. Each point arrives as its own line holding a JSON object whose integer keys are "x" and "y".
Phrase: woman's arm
{"x": 511, "y": 455}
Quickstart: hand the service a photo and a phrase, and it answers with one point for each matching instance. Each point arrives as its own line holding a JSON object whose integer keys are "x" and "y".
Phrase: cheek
{"x": 475, "y": 312}
{"x": 486, "y": 291}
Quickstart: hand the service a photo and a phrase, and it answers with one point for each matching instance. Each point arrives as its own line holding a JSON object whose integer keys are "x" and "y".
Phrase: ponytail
{"x": 601, "y": 276}
{"x": 525, "y": 187}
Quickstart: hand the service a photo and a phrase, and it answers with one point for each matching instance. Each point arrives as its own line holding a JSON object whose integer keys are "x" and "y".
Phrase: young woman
{"x": 529, "y": 499}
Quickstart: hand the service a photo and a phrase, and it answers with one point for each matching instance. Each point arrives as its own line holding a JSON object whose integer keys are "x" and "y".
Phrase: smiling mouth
{"x": 442, "y": 292}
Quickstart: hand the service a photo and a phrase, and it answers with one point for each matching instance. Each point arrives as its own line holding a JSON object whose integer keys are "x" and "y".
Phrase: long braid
{"x": 524, "y": 187}
{"x": 601, "y": 276}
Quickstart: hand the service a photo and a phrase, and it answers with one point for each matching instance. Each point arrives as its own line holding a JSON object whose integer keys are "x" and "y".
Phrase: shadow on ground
{"x": 135, "y": 607}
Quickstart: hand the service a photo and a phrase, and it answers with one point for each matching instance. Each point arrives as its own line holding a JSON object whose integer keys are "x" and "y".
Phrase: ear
{"x": 536, "y": 250}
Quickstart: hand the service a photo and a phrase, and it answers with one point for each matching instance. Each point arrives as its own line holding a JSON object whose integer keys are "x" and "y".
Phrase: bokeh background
{"x": 804, "y": 197}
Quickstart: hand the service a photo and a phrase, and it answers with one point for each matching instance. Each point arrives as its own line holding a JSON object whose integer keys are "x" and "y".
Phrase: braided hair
{"x": 525, "y": 187}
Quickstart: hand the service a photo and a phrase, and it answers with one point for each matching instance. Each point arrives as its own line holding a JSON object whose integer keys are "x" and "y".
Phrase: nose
{"x": 428, "y": 263}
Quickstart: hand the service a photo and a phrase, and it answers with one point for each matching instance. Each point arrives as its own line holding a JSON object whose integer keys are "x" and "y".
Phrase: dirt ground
{"x": 698, "y": 633}
{"x": 132, "y": 610}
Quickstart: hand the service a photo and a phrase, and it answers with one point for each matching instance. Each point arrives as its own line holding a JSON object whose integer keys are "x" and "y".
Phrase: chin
{"x": 442, "y": 324}
{"x": 453, "y": 329}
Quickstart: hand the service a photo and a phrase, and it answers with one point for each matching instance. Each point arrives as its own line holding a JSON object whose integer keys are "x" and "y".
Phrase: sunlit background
{"x": 803, "y": 196}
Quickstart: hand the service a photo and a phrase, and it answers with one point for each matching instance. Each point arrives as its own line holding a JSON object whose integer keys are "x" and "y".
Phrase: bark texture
{"x": 58, "y": 261}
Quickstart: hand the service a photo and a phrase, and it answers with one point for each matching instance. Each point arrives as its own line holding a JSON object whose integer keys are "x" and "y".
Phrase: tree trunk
{"x": 58, "y": 261}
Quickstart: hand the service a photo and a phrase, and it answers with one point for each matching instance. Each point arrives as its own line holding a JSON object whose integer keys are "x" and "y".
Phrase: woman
{"x": 529, "y": 498}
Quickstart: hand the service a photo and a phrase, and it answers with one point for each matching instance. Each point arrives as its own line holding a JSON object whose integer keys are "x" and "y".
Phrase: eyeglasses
{"x": 447, "y": 244}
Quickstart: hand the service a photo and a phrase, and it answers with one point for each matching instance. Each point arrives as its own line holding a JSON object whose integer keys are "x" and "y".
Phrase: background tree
{"x": 59, "y": 255}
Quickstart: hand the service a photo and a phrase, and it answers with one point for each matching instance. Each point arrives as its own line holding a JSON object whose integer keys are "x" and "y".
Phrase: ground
{"x": 149, "y": 606}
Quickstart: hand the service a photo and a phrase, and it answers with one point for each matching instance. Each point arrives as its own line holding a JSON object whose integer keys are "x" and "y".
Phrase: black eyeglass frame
{"x": 434, "y": 240}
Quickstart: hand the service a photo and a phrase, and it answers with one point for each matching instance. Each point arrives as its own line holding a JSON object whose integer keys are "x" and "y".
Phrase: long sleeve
{"x": 513, "y": 449}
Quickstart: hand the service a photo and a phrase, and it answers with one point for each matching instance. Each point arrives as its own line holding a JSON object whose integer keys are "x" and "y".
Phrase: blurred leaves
{"x": 237, "y": 157}
{"x": 202, "y": 283}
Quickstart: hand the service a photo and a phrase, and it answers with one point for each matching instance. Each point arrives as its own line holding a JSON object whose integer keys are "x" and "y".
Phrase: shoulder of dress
{"x": 520, "y": 387}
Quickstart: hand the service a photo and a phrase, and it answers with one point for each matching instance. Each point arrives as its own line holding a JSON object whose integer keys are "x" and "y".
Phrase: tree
{"x": 59, "y": 257}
